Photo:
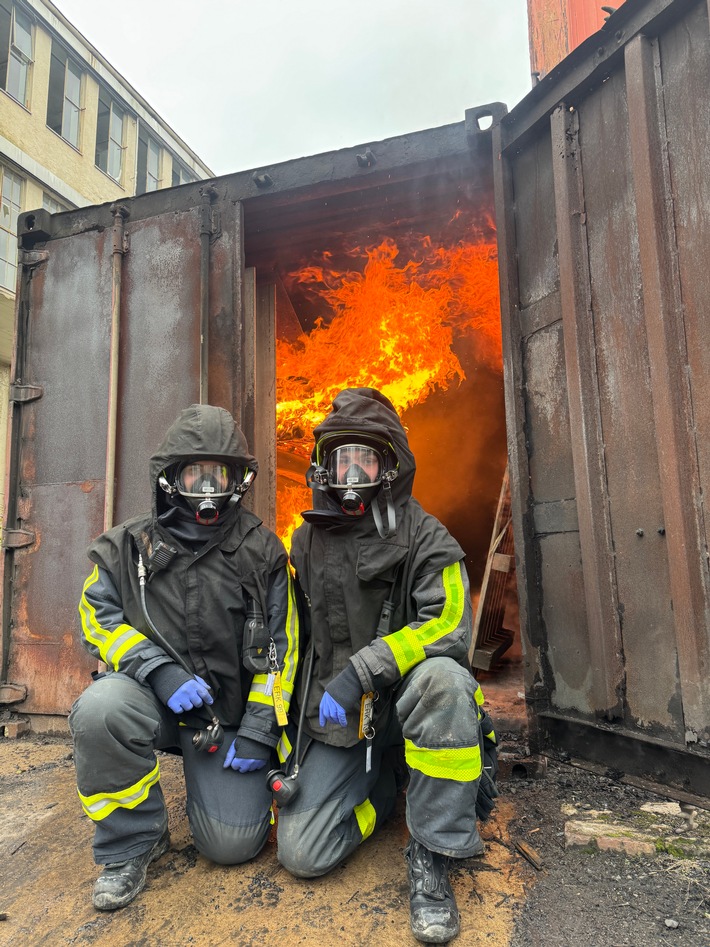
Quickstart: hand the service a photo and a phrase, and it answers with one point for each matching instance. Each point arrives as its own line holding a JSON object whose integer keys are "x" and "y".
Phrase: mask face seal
{"x": 355, "y": 472}
{"x": 206, "y": 486}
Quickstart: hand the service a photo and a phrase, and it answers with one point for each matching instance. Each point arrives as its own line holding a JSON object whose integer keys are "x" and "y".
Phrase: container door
{"x": 603, "y": 204}
{"x": 158, "y": 286}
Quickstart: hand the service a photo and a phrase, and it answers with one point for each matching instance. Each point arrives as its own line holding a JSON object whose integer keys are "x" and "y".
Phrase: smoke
{"x": 459, "y": 442}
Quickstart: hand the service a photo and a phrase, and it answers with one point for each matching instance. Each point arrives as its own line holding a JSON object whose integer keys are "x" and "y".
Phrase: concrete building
{"x": 73, "y": 132}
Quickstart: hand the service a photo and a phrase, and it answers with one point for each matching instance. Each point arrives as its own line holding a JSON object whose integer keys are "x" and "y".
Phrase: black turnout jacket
{"x": 198, "y": 602}
{"x": 346, "y": 573}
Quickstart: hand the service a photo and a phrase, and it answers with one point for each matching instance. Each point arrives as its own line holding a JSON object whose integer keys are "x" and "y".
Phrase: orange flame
{"x": 393, "y": 327}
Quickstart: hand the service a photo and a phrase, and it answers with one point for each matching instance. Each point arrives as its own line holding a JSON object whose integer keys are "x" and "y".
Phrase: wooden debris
{"x": 529, "y": 854}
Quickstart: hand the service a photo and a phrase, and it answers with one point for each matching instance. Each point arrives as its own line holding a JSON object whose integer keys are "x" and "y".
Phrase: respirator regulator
{"x": 207, "y": 486}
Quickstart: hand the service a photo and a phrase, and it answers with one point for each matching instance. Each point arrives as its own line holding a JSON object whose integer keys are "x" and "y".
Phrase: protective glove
{"x": 342, "y": 696}
{"x": 246, "y": 756}
{"x": 486, "y": 796}
{"x": 191, "y": 694}
{"x": 330, "y": 711}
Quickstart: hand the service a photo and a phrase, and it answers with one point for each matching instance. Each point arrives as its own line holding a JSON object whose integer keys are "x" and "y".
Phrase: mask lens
{"x": 354, "y": 465}
{"x": 205, "y": 478}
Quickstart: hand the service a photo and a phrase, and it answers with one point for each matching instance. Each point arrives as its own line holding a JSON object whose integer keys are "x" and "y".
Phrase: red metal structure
{"x": 556, "y": 27}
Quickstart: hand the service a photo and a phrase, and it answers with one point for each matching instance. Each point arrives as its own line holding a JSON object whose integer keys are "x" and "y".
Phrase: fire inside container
{"x": 418, "y": 318}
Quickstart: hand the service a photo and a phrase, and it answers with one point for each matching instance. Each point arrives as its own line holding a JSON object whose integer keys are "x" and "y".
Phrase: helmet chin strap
{"x": 391, "y": 516}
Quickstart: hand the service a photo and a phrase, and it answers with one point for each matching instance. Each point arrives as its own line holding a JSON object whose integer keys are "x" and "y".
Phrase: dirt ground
{"x": 577, "y": 898}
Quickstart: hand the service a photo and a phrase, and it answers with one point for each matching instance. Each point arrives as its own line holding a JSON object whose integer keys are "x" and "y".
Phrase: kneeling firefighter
{"x": 391, "y": 698}
{"x": 190, "y": 607}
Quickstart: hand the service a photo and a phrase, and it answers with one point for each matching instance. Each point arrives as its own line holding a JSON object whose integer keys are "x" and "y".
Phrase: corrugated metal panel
{"x": 603, "y": 206}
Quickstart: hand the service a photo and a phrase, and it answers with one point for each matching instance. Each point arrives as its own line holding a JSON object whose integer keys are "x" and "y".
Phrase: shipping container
{"x": 267, "y": 290}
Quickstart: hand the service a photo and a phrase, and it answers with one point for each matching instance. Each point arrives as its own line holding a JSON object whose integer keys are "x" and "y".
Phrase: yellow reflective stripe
{"x": 257, "y": 696}
{"x": 259, "y": 682}
{"x": 366, "y": 818}
{"x": 480, "y": 699}
{"x": 257, "y": 691}
{"x": 291, "y": 656}
{"x": 283, "y": 747}
{"x": 132, "y": 638}
{"x": 460, "y": 763}
{"x": 102, "y": 804}
{"x": 112, "y": 645}
{"x": 407, "y": 644}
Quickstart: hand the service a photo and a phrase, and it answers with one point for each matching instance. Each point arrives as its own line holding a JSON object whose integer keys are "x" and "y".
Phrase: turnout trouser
{"x": 434, "y": 715}
{"x": 117, "y": 725}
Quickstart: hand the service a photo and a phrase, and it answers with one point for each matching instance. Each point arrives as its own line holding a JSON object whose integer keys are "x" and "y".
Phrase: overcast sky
{"x": 253, "y": 82}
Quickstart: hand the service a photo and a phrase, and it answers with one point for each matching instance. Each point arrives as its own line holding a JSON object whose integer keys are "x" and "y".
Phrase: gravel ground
{"x": 584, "y": 898}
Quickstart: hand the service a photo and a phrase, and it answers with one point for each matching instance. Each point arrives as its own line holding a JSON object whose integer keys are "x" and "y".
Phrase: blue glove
{"x": 330, "y": 711}
{"x": 252, "y": 755}
{"x": 342, "y": 696}
{"x": 191, "y": 694}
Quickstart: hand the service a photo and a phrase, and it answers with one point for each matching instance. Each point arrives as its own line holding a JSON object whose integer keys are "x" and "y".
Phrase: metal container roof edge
{"x": 363, "y": 165}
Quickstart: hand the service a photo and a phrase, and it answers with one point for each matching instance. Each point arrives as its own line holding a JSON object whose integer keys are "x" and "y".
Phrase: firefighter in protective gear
{"x": 390, "y": 618}
{"x": 206, "y": 562}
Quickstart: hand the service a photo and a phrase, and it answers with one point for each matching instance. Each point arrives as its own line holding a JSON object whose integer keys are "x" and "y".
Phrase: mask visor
{"x": 205, "y": 479}
{"x": 354, "y": 465}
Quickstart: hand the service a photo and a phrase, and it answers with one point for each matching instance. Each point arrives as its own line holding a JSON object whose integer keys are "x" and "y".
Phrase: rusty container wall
{"x": 72, "y": 266}
{"x": 57, "y": 496}
{"x": 603, "y": 212}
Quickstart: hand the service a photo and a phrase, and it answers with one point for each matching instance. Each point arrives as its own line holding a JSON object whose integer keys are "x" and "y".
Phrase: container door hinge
{"x": 21, "y": 394}
{"x": 12, "y": 693}
{"x": 29, "y": 258}
{"x": 17, "y": 538}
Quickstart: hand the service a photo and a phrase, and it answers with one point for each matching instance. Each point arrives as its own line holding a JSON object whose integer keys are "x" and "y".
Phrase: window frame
{"x": 52, "y": 204}
{"x": 182, "y": 169}
{"x": 10, "y": 262}
{"x": 113, "y": 148}
{"x": 144, "y": 175}
{"x": 22, "y": 59}
{"x": 59, "y": 53}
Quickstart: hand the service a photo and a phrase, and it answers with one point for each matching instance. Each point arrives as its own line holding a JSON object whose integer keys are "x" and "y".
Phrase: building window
{"x": 15, "y": 51}
{"x": 181, "y": 175}
{"x": 9, "y": 211}
{"x": 52, "y": 204}
{"x": 109, "y": 136}
{"x": 64, "y": 100}
{"x": 148, "y": 174}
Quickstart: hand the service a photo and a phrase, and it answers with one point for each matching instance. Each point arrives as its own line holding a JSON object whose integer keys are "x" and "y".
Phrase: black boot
{"x": 118, "y": 884}
{"x": 433, "y": 913}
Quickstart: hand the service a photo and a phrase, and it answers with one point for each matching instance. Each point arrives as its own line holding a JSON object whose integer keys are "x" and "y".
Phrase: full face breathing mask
{"x": 352, "y": 468}
{"x": 207, "y": 486}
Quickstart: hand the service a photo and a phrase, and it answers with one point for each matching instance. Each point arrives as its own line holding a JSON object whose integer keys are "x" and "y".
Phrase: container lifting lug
{"x": 17, "y": 538}
{"x": 262, "y": 180}
{"x": 21, "y": 394}
{"x": 30, "y": 258}
{"x": 366, "y": 160}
